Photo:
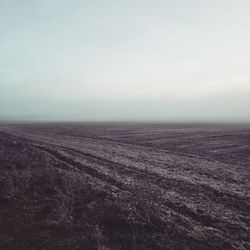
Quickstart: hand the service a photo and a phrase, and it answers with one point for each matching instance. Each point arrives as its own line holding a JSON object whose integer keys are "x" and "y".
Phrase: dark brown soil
{"x": 124, "y": 186}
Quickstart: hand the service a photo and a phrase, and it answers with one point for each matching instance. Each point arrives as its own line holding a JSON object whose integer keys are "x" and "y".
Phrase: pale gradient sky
{"x": 179, "y": 60}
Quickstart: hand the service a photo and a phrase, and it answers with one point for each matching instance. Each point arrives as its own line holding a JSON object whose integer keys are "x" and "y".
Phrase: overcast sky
{"x": 178, "y": 60}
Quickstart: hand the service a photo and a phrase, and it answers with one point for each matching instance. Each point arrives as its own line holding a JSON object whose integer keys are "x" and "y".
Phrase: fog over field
{"x": 124, "y": 125}
{"x": 183, "y": 60}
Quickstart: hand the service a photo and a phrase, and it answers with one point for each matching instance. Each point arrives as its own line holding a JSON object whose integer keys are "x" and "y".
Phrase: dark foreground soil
{"x": 124, "y": 186}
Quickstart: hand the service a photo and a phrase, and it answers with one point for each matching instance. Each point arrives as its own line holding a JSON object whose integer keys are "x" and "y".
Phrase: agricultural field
{"x": 124, "y": 186}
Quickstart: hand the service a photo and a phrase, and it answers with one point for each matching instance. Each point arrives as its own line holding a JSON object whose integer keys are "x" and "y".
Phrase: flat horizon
{"x": 144, "y": 61}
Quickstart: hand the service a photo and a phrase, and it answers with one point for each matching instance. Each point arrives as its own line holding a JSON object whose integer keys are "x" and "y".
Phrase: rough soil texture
{"x": 190, "y": 184}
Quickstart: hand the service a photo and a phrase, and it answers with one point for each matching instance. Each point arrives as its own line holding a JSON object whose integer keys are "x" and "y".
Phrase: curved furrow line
{"x": 182, "y": 187}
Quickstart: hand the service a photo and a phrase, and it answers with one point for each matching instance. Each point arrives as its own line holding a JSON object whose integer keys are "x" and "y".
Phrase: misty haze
{"x": 124, "y": 125}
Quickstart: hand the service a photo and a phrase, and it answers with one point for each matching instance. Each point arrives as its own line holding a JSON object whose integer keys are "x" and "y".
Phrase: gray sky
{"x": 179, "y": 60}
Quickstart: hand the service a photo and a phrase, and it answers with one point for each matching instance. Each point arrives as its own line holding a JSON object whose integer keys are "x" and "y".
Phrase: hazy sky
{"x": 178, "y": 60}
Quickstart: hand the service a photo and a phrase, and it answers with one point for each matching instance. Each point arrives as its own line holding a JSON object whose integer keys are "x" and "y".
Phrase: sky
{"x": 125, "y": 60}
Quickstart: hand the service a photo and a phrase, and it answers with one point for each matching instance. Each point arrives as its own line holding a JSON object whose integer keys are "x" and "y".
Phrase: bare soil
{"x": 124, "y": 186}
